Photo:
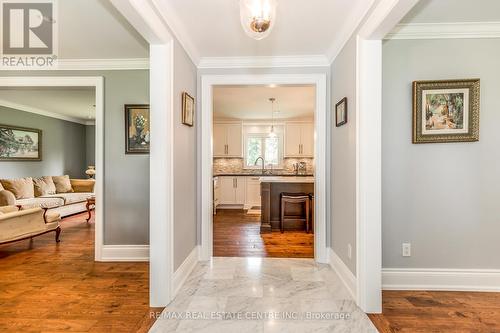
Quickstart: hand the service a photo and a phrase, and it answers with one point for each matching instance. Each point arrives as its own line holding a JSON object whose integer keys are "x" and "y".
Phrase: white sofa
{"x": 63, "y": 203}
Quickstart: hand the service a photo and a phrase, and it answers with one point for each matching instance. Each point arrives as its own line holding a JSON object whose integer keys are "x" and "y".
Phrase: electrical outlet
{"x": 349, "y": 251}
{"x": 406, "y": 249}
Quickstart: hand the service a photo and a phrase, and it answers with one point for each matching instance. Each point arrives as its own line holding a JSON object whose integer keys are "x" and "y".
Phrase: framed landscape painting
{"x": 137, "y": 135}
{"x": 446, "y": 111}
{"x": 20, "y": 144}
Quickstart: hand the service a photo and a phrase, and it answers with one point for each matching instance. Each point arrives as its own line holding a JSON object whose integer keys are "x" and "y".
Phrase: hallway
{"x": 229, "y": 295}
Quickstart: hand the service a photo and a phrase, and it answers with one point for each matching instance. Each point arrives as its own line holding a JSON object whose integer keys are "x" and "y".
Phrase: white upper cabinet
{"x": 299, "y": 140}
{"x": 227, "y": 140}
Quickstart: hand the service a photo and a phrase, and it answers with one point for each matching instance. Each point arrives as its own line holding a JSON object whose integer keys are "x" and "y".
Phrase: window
{"x": 261, "y": 145}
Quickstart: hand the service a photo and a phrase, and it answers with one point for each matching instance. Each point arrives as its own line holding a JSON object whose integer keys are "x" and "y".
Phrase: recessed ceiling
{"x": 302, "y": 28}
{"x": 73, "y": 104}
{"x": 450, "y": 11}
{"x": 94, "y": 29}
{"x": 252, "y": 102}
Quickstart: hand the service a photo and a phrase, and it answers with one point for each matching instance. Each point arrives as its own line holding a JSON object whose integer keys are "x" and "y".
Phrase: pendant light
{"x": 258, "y": 17}
{"x": 272, "y": 134}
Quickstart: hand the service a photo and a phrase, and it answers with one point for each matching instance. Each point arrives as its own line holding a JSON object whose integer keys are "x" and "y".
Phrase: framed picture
{"x": 187, "y": 109}
{"x": 20, "y": 144}
{"x": 137, "y": 127}
{"x": 341, "y": 112}
{"x": 446, "y": 111}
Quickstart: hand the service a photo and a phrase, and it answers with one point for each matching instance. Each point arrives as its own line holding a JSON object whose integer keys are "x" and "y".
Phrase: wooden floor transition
{"x": 49, "y": 287}
{"x": 438, "y": 311}
{"x": 237, "y": 234}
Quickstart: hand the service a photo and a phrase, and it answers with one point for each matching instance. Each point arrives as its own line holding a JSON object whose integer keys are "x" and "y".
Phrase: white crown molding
{"x": 445, "y": 30}
{"x": 441, "y": 279}
{"x": 264, "y": 62}
{"x": 41, "y": 112}
{"x": 187, "y": 266}
{"x": 345, "y": 274}
{"x": 177, "y": 28}
{"x": 92, "y": 65}
{"x": 130, "y": 253}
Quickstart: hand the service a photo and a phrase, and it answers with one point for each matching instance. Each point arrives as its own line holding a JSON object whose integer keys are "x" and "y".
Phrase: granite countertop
{"x": 275, "y": 174}
{"x": 287, "y": 179}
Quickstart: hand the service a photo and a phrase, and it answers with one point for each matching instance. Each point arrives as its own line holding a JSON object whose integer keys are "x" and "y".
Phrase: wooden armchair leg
{"x": 58, "y": 233}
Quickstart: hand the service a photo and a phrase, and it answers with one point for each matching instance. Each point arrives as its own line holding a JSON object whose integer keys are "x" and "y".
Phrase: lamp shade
{"x": 258, "y": 17}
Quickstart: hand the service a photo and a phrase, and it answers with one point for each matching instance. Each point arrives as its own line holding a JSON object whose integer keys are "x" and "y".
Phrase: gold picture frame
{"x": 187, "y": 109}
{"x": 137, "y": 129}
{"x": 446, "y": 111}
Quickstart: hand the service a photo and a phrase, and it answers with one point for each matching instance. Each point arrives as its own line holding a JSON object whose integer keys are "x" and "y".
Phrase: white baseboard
{"x": 125, "y": 253}
{"x": 441, "y": 279}
{"x": 344, "y": 272}
{"x": 182, "y": 273}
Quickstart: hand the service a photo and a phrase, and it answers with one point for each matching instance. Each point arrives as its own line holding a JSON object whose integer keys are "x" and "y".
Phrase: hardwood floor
{"x": 237, "y": 234}
{"x": 49, "y": 287}
{"x": 444, "y": 312}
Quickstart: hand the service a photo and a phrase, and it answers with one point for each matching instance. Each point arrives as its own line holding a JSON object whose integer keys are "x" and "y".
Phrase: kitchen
{"x": 263, "y": 169}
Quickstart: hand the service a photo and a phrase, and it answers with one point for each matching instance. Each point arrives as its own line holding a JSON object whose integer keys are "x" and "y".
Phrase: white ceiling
{"x": 451, "y": 11}
{"x": 211, "y": 28}
{"x": 94, "y": 29}
{"x": 73, "y": 104}
{"x": 252, "y": 102}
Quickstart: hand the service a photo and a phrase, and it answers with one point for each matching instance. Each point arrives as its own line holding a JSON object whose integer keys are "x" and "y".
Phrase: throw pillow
{"x": 22, "y": 188}
{"x": 44, "y": 186}
{"x": 7, "y": 198}
{"x": 63, "y": 185}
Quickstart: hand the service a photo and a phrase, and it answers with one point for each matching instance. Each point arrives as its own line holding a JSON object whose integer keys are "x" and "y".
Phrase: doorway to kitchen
{"x": 263, "y": 156}
{"x": 263, "y": 147}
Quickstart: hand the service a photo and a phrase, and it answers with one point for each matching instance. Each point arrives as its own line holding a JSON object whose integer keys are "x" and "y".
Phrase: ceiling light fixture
{"x": 272, "y": 134}
{"x": 258, "y": 17}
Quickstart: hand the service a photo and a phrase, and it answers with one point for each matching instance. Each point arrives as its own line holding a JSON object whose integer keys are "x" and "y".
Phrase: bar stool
{"x": 297, "y": 198}
{"x": 311, "y": 218}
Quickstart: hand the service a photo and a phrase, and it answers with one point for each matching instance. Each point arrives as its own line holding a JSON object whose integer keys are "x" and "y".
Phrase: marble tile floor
{"x": 262, "y": 295}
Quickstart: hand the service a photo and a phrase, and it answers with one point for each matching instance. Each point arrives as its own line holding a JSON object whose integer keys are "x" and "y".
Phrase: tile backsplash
{"x": 235, "y": 165}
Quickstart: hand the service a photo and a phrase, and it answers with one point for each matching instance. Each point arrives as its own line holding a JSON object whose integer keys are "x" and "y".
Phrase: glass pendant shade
{"x": 258, "y": 17}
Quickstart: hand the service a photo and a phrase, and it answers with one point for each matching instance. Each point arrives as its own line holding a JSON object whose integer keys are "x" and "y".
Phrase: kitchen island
{"x": 270, "y": 190}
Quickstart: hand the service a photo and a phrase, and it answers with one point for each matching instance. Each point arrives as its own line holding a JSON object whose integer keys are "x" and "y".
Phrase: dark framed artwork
{"x": 137, "y": 125}
{"x": 20, "y": 143}
{"x": 187, "y": 109}
{"x": 341, "y": 112}
{"x": 446, "y": 111}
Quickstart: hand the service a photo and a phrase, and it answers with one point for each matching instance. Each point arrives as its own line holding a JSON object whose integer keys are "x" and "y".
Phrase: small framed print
{"x": 187, "y": 109}
{"x": 446, "y": 111}
{"x": 341, "y": 112}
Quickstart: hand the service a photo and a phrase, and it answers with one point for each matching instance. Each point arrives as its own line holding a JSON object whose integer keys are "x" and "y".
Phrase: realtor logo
{"x": 28, "y": 33}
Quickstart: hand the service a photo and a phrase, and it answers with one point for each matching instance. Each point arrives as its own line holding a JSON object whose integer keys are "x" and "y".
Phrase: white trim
{"x": 207, "y": 83}
{"x": 30, "y": 109}
{"x": 93, "y": 65}
{"x": 345, "y": 274}
{"x": 264, "y": 62}
{"x": 441, "y": 279}
{"x": 125, "y": 253}
{"x": 79, "y": 81}
{"x": 445, "y": 30}
{"x": 187, "y": 266}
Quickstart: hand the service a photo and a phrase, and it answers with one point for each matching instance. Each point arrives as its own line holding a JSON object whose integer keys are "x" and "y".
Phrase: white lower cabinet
{"x": 232, "y": 190}
{"x": 253, "y": 192}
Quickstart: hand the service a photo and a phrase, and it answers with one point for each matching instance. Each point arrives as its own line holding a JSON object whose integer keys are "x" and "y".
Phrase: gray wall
{"x": 126, "y": 181}
{"x": 443, "y": 198}
{"x": 185, "y": 171}
{"x": 63, "y": 146}
{"x": 90, "y": 145}
{"x": 343, "y": 157}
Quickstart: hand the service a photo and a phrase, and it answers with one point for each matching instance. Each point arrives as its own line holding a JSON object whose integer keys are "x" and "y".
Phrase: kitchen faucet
{"x": 263, "y": 164}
